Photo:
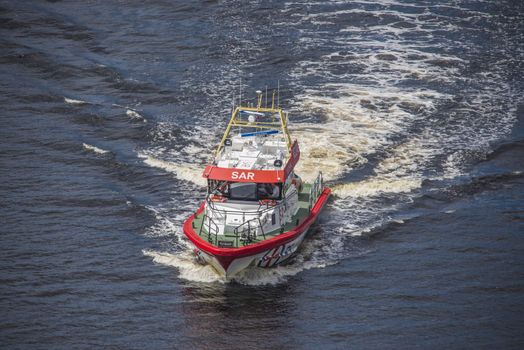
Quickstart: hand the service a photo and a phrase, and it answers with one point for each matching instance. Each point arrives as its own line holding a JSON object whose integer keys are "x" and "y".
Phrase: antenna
{"x": 266, "y": 96}
{"x": 259, "y": 99}
{"x": 278, "y": 94}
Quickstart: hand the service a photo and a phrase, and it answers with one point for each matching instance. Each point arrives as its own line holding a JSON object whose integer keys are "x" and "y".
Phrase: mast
{"x": 260, "y": 118}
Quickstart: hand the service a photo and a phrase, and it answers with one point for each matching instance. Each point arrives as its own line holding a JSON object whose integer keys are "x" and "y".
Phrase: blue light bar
{"x": 265, "y": 132}
{"x": 253, "y": 113}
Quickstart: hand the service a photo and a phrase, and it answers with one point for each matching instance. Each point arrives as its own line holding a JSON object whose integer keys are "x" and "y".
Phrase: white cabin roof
{"x": 254, "y": 151}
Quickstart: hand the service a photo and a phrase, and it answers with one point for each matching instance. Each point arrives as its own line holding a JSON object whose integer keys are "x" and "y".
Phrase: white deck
{"x": 254, "y": 152}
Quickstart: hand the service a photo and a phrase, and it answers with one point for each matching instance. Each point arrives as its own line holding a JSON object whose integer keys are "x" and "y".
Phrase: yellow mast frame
{"x": 236, "y": 121}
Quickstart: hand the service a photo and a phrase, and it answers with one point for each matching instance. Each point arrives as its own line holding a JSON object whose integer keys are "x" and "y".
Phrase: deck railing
{"x": 316, "y": 190}
{"x": 212, "y": 228}
{"x": 247, "y": 231}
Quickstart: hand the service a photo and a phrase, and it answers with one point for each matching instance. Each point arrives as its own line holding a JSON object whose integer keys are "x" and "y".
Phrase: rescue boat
{"x": 257, "y": 210}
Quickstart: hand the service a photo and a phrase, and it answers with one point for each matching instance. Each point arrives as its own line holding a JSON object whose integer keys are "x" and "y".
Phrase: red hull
{"x": 226, "y": 255}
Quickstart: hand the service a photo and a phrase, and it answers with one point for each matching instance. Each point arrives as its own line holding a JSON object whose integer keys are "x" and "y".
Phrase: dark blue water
{"x": 413, "y": 110}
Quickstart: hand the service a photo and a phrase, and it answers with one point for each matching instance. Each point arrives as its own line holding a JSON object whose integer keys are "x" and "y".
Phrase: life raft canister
{"x": 218, "y": 198}
{"x": 268, "y": 202}
{"x": 297, "y": 181}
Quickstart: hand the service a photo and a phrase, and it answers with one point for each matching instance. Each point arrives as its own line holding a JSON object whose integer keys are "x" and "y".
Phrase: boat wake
{"x": 375, "y": 187}
{"x": 395, "y": 99}
{"x": 191, "y": 270}
{"x": 182, "y": 171}
{"x": 188, "y": 268}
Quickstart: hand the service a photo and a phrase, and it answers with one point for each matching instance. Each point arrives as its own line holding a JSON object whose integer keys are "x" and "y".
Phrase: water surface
{"x": 413, "y": 110}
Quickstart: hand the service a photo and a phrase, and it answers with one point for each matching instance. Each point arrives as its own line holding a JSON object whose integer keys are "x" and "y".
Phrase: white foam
{"x": 367, "y": 108}
{"x": 135, "y": 115}
{"x": 164, "y": 226}
{"x": 189, "y": 269}
{"x": 73, "y": 101}
{"x": 94, "y": 149}
{"x": 374, "y": 187}
{"x": 352, "y": 131}
{"x": 187, "y": 172}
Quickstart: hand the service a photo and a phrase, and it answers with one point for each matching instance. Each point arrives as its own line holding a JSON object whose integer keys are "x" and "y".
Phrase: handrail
{"x": 251, "y": 230}
{"x": 259, "y": 212}
{"x": 209, "y": 230}
{"x": 211, "y": 205}
{"x": 252, "y": 224}
{"x": 316, "y": 190}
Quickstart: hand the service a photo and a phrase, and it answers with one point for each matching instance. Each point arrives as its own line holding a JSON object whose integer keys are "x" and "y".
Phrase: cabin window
{"x": 269, "y": 191}
{"x": 243, "y": 191}
{"x": 218, "y": 187}
{"x": 246, "y": 190}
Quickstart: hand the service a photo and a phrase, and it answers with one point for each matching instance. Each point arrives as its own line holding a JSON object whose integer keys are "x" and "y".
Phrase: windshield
{"x": 243, "y": 191}
{"x": 246, "y": 190}
{"x": 268, "y": 191}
